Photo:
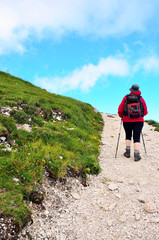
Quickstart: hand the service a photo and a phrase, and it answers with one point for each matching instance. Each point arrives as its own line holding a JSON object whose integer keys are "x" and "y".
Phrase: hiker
{"x": 132, "y": 110}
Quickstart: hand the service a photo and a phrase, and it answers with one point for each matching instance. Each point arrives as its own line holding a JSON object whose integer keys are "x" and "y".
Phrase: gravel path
{"x": 121, "y": 203}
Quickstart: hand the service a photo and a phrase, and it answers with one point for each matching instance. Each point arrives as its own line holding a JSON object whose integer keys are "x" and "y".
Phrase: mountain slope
{"x": 122, "y": 202}
{"x": 40, "y": 131}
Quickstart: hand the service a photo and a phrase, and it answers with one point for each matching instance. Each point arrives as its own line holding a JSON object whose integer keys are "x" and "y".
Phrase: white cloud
{"x": 148, "y": 64}
{"x": 86, "y": 77}
{"x": 22, "y": 19}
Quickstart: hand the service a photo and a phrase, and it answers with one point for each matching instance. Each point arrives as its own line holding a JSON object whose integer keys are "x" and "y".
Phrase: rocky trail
{"x": 121, "y": 203}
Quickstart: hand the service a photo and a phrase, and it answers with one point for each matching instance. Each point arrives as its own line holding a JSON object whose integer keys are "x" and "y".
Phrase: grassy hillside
{"x": 41, "y": 131}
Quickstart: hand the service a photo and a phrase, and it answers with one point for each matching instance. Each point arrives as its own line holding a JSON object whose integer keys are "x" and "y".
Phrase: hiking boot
{"x": 127, "y": 153}
{"x": 137, "y": 156}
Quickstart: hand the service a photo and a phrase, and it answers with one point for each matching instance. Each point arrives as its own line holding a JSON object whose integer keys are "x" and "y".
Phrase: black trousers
{"x": 133, "y": 128}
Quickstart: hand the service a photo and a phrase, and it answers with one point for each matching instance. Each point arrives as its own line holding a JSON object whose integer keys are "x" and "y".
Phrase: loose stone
{"x": 137, "y": 217}
{"x": 112, "y": 186}
{"x": 122, "y": 218}
{"x": 75, "y": 196}
{"x": 150, "y": 207}
{"x": 112, "y": 206}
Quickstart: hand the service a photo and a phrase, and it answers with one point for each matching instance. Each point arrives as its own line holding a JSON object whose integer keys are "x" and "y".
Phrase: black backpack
{"x": 133, "y": 107}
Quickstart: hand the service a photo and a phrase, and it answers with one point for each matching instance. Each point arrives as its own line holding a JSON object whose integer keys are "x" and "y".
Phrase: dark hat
{"x": 134, "y": 88}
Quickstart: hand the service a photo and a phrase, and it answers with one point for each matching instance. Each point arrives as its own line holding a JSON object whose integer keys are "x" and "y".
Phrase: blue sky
{"x": 90, "y": 50}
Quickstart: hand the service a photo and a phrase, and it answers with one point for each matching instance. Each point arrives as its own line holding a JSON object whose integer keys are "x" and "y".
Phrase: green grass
{"x": 154, "y": 124}
{"x": 59, "y": 147}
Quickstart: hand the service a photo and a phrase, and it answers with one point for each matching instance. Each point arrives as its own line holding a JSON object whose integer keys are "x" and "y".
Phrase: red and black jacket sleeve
{"x": 121, "y": 108}
{"x": 145, "y": 107}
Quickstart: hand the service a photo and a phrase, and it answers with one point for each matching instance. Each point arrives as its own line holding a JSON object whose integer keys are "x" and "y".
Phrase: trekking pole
{"x": 118, "y": 139}
{"x": 143, "y": 142}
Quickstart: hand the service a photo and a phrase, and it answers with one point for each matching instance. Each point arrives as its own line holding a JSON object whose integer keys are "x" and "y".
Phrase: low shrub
{"x": 3, "y": 130}
{"x": 8, "y": 123}
{"x": 19, "y": 116}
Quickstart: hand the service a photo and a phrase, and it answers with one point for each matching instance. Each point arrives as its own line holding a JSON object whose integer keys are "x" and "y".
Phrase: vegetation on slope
{"x": 154, "y": 124}
{"x": 63, "y": 138}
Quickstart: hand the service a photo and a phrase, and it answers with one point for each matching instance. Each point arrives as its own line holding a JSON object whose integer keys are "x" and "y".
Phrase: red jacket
{"x": 126, "y": 118}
